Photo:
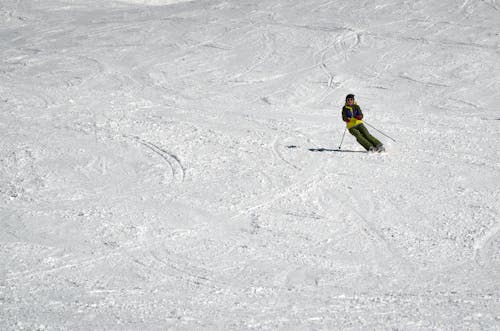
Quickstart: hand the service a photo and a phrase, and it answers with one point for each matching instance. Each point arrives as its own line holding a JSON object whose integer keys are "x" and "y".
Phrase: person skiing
{"x": 353, "y": 116}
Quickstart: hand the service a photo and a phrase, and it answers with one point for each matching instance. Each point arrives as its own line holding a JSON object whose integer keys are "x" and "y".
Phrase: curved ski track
{"x": 178, "y": 170}
{"x": 481, "y": 246}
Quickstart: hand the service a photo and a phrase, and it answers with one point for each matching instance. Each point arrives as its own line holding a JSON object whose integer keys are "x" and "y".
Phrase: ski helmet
{"x": 349, "y": 96}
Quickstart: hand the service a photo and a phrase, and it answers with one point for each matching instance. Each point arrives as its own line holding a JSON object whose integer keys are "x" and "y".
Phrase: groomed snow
{"x": 172, "y": 165}
{"x": 153, "y": 2}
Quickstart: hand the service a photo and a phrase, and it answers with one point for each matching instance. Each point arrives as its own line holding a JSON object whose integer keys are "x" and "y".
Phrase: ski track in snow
{"x": 178, "y": 171}
{"x": 481, "y": 246}
{"x": 174, "y": 164}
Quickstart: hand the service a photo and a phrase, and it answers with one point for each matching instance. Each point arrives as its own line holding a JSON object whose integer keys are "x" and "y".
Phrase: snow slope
{"x": 170, "y": 165}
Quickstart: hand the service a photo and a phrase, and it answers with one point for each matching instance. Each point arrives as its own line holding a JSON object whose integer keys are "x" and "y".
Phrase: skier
{"x": 353, "y": 116}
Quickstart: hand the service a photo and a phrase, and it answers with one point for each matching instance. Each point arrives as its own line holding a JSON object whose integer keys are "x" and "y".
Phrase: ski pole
{"x": 379, "y": 131}
{"x": 340, "y": 146}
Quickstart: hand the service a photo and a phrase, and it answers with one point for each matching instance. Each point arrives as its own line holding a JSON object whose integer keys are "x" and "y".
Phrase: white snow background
{"x": 171, "y": 165}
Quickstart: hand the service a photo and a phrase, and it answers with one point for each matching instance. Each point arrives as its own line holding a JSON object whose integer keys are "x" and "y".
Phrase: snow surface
{"x": 173, "y": 166}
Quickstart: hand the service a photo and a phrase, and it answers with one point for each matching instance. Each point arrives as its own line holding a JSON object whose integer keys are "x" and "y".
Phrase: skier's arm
{"x": 360, "y": 114}
{"x": 344, "y": 115}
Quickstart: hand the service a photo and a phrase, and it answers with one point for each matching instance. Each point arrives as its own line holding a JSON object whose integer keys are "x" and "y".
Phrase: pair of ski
{"x": 339, "y": 150}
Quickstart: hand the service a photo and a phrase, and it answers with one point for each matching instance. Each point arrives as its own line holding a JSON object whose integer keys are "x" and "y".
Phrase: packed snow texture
{"x": 173, "y": 165}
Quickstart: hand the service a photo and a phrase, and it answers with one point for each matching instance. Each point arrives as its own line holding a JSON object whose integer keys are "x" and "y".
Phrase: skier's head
{"x": 349, "y": 99}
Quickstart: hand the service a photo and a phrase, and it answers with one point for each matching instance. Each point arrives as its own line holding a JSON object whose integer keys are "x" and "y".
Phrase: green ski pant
{"x": 364, "y": 137}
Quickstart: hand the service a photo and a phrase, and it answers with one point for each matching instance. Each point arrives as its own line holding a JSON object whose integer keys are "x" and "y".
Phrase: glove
{"x": 348, "y": 119}
{"x": 358, "y": 117}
